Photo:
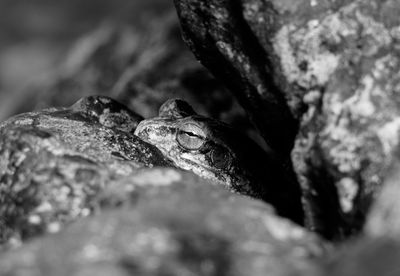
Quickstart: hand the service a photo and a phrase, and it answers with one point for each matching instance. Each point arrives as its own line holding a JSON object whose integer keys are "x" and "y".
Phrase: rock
{"x": 108, "y": 112}
{"x": 335, "y": 64}
{"x": 53, "y": 162}
{"x": 383, "y": 220}
{"x": 177, "y": 225}
{"x": 220, "y": 38}
{"x": 343, "y": 57}
{"x": 365, "y": 257}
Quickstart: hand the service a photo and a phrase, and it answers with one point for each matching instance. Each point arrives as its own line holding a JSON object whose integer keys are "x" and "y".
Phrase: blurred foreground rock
{"x": 365, "y": 257}
{"x": 383, "y": 220}
{"x": 53, "y": 163}
{"x": 330, "y": 67}
{"x": 174, "y": 224}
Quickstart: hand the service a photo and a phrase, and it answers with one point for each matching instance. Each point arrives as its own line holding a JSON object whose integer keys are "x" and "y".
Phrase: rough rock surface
{"x": 178, "y": 225}
{"x": 336, "y": 65}
{"x": 217, "y": 34}
{"x": 340, "y": 63}
{"x": 53, "y": 162}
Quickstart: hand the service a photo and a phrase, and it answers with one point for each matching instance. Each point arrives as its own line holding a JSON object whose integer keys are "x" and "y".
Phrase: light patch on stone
{"x": 284, "y": 50}
{"x": 90, "y": 252}
{"x": 157, "y": 177}
{"x": 34, "y": 219}
{"x": 85, "y": 212}
{"x": 103, "y": 118}
{"x": 282, "y": 229}
{"x": 360, "y": 104}
{"x": 313, "y": 3}
{"x": 322, "y": 67}
{"x": 334, "y": 103}
{"x": 344, "y": 155}
{"x": 347, "y": 190}
{"x": 341, "y": 144}
{"x": 44, "y": 207}
{"x": 226, "y": 49}
{"x": 312, "y": 97}
{"x": 24, "y": 122}
{"x": 389, "y": 135}
{"x": 313, "y": 23}
{"x": 54, "y": 227}
{"x": 104, "y": 100}
{"x": 304, "y": 47}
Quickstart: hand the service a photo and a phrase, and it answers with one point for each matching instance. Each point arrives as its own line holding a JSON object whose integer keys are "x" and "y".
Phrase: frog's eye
{"x": 220, "y": 158}
{"x": 191, "y": 137}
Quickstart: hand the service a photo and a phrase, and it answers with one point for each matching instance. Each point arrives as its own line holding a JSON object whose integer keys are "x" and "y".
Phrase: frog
{"x": 215, "y": 150}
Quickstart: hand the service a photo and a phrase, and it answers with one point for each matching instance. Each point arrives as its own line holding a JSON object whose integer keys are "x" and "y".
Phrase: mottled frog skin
{"x": 216, "y": 151}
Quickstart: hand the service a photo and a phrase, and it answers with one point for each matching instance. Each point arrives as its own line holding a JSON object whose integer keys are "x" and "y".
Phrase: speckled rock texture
{"x": 219, "y": 37}
{"x": 179, "y": 225}
{"x": 54, "y": 162}
{"x": 335, "y": 64}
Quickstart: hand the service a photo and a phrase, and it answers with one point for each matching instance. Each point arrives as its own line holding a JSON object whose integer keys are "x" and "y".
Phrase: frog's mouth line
{"x": 206, "y": 171}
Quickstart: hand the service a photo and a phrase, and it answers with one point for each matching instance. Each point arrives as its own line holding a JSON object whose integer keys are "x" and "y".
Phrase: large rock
{"x": 54, "y": 162}
{"x": 364, "y": 257}
{"x": 335, "y": 64}
{"x": 174, "y": 224}
{"x": 219, "y": 37}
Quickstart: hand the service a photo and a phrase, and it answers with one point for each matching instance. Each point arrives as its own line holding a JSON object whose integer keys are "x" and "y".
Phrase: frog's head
{"x": 205, "y": 146}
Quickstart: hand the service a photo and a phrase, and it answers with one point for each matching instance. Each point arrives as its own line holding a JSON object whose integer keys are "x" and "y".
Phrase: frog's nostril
{"x": 142, "y": 131}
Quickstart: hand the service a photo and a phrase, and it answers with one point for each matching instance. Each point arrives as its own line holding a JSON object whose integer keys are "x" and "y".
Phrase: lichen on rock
{"x": 335, "y": 64}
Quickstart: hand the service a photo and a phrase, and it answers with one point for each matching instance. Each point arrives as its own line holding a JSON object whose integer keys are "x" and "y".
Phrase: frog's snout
{"x": 155, "y": 132}
{"x": 142, "y": 130}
